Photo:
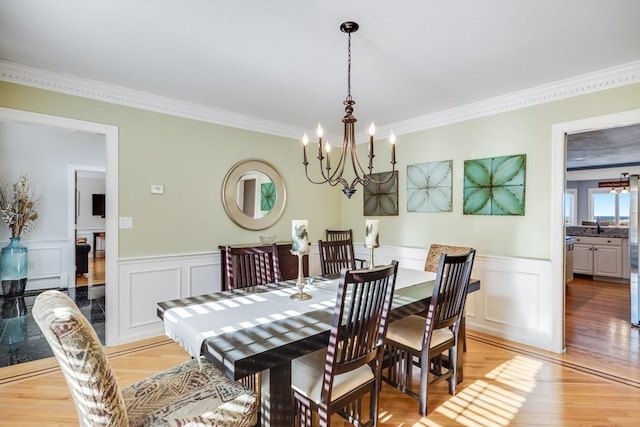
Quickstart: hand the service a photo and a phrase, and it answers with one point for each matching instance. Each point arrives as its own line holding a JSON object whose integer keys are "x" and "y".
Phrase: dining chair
{"x": 431, "y": 264}
{"x": 336, "y": 255}
{"x": 333, "y": 235}
{"x": 192, "y": 393}
{"x": 422, "y": 341}
{"x": 251, "y": 266}
{"x": 335, "y": 380}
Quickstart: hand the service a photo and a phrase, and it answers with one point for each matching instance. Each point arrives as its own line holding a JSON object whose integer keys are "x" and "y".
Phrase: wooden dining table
{"x": 261, "y": 330}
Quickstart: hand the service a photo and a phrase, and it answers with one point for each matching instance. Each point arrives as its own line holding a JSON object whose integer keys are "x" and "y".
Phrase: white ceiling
{"x": 285, "y": 61}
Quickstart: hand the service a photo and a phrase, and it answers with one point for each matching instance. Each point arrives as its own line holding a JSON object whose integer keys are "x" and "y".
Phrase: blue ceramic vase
{"x": 14, "y": 266}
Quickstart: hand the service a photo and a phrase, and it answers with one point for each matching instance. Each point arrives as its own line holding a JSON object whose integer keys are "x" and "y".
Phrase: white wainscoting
{"x": 146, "y": 281}
{"x": 512, "y": 303}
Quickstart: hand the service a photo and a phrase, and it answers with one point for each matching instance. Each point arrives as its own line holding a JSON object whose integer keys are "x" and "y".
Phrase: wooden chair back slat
{"x": 251, "y": 266}
{"x": 336, "y": 255}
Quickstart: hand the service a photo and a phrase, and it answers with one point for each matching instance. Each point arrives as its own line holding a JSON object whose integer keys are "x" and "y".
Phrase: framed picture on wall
{"x": 381, "y": 199}
{"x": 429, "y": 187}
{"x": 495, "y": 186}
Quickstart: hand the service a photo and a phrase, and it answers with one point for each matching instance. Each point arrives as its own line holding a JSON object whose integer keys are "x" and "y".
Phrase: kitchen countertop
{"x": 592, "y": 231}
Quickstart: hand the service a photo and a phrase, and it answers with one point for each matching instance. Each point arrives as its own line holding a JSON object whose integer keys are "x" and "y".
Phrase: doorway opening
{"x": 89, "y": 185}
{"x": 109, "y": 134}
{"x": 559, "y": 164}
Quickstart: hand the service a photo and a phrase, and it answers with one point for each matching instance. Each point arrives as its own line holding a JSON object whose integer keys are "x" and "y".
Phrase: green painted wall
{"x": 524, "y": 131}
{"x": 190, "y": 158}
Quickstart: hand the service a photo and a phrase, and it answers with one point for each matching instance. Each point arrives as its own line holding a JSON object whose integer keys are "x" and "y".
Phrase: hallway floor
{"x": 20, "y": 337}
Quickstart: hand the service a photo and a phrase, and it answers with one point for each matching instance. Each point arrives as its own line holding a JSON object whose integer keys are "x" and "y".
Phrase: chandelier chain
{"x": 349, "y": 69}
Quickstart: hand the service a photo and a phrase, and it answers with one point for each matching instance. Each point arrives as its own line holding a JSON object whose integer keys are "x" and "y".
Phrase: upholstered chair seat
{"x": 309, "y": 375}
{"x": 194, "y": 393}
{"x": 410, "y": 333}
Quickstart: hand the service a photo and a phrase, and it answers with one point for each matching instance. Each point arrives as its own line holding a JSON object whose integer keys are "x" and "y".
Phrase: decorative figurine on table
{"x": 300, "y": 247}
{"x": 371, "y": 237}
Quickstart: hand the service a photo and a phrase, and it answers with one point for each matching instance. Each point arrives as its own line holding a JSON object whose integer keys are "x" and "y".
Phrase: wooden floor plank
{"x": 505, "y": 383}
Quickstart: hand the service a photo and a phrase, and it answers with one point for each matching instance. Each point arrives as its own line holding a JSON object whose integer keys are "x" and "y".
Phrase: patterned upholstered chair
{"x": 184, "y": 395}
{"x": 433, "y": 257}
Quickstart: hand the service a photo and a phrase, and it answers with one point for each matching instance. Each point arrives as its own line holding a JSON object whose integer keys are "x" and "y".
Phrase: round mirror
{"x": 253, "y": 194}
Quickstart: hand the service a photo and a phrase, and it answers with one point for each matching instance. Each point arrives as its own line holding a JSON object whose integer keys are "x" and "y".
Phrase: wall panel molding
{"x": 512, "y": 302}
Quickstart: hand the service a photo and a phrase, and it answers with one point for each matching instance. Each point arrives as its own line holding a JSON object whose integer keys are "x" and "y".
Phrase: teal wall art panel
{"x": 381, "y": 199}
{"x": 267, "y": 196}
{"x": 429, "y": 187}
{"x": 494, "y": 186}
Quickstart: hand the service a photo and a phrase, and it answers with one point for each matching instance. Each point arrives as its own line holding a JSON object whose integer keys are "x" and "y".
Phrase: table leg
{"x": 276, "y": 398}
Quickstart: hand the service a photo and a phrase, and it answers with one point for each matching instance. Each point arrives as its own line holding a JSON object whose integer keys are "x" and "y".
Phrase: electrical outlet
{"x": 32, "y": 265}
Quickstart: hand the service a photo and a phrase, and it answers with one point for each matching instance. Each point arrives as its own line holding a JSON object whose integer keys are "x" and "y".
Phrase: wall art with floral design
{"x": 381, "y": 199}
{"x": 429, "y": 187}
{"x": 267, "y": 196}
{"x": 494, "y": 186}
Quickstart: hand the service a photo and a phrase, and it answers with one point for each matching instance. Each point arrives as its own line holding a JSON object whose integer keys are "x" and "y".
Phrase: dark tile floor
{"x": 20, "y": 337}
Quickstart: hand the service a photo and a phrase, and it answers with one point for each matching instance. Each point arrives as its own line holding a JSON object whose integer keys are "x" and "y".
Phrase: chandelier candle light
{"x": 371, "y": 237}
{"x": 348, "y": 142}
{"x": 300, "y": 247}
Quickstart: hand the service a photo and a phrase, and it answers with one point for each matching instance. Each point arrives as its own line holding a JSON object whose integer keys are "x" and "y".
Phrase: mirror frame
{"x": 229, "y": 194}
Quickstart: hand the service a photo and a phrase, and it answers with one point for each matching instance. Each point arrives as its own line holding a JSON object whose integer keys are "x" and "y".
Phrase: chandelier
{"x": 333, "y": 176}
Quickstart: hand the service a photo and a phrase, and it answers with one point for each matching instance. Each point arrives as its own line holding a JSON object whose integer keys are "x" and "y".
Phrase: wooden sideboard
{"x": 288, "y": 262}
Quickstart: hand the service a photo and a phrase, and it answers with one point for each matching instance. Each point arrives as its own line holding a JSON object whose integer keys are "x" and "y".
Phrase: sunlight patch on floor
{"x": 493, "y": 402}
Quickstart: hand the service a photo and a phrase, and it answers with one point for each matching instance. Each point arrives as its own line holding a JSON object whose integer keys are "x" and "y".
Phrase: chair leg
{"x": 424, "y": 385}
{"x": 453, "y": 364}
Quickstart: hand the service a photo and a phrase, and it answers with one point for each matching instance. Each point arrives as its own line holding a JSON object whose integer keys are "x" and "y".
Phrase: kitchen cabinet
{"x": 598, "y": 256}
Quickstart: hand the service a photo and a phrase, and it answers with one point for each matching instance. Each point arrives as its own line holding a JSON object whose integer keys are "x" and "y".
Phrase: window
{"x": 570, "y": 206}
{"x": 608, "y": 208}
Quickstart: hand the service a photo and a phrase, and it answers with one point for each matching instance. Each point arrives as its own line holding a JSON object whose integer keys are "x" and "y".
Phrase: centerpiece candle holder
{"x": 300, "y": 248}
{"x": 371, "y": 238}
{"x": 301, "y": 282}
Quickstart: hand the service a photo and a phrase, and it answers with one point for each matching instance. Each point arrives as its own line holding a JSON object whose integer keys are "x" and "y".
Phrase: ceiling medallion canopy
{"x": 333, "y": 176}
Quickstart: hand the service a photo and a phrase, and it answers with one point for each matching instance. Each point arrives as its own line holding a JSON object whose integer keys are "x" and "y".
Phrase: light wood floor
{"x": 95, "y": 275}
{"x": 505, "y": 384}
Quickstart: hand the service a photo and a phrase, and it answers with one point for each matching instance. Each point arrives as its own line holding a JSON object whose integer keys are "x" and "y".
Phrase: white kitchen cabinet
{"x": 598, "y": 256}
{"x": 607, "y": 260}
{"x": 582, "y": 258}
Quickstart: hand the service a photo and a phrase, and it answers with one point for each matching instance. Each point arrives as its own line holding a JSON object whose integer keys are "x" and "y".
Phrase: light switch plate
{"x": 157, "y": 189}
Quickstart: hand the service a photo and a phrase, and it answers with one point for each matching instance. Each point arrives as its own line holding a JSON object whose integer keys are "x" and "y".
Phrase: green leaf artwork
{"x": 267, "y": 196}
{"x": 429, "y": 187}
{"x": 494, "y": 186}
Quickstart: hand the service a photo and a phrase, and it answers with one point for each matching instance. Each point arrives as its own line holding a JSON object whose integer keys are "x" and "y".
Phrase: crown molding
{"x": 35, "y": 77}
{"x": 608, "y": 78}
{"x": 587, "y": 83}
